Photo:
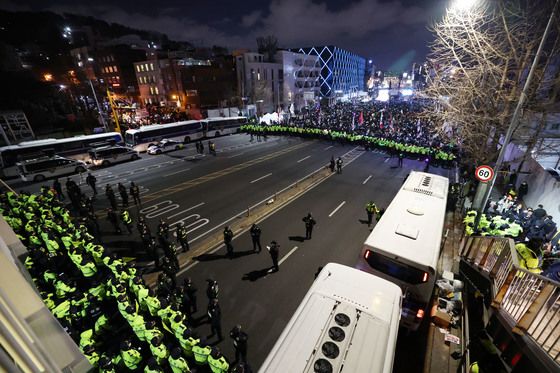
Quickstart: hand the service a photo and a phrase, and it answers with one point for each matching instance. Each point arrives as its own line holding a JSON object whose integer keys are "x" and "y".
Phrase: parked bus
{"x": 186, "y": 131}
{"x": 404, "y": 245}
{"x": 76, "y": 147}
{"x": 348, "y": 319}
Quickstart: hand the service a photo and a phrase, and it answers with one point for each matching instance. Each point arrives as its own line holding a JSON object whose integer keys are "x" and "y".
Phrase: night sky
{"x": 392, "y": 33}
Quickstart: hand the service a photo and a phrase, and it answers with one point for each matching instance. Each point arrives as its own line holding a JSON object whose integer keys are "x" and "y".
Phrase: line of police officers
{"x": 102, "y": 302}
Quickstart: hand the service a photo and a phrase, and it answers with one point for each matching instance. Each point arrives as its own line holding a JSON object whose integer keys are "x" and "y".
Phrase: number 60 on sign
{"x": 484, "y": 173}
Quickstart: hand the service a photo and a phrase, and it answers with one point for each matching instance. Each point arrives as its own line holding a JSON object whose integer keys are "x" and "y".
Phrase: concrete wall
{"x": 543, "y": 188}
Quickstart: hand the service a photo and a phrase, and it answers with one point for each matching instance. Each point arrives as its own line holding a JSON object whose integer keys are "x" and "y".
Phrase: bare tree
{"x": 479, "y": 60}
{"x": 267, "y": 45}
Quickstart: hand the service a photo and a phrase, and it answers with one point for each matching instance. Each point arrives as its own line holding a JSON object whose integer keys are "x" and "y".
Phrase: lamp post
{"x": 101, "y": 117}
{"x": 514, "y": 119}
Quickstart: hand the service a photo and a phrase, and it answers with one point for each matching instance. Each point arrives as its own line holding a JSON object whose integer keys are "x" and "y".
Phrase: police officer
{"x": 113, "y": 218}
{"x": 189, "y": 297}
{"x": 274, "y": 251}
{"x": 153, "y": 251}
{"x": 91, "y": 180}
{"x": 332, "y": 164}
{"x": 371, "y": 209}
{"x": 201, "y": 351}
{"x": 339, "y": 165}
{"x": 163, "y": 233}
{"x": 239, "y": 343}
{"x": 228, "y": 237}
{"x": 170, "y": 270}
{"x": 401, "y": 157}
{"x": 130, "y": 355}
{"x": 217, "y": 361}
{"x": 127, "y": 220}
{"x": 256, "y": 237}
{"x": 124, "y": 194}
{"x": 58, "y": 189}
{"x": 111, "y": 196}
{"x": 177, "y": 363}
{"x": 135, "y": 193}
{"x": 215, "y": 317}
{"x": 182, "y": 237}
{"x": 152, "y": 366}
{"x": 309, "y": 223}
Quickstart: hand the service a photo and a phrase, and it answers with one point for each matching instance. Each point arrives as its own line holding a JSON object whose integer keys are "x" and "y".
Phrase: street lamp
{"x": 463, "y": 5}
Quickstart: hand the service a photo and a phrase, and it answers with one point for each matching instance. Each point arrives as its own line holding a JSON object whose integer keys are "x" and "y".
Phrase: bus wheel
{"x": 187, "y": 139}
{"x": 39, "y": 178}
{"x": 80, "y": 169}
{"x": 105, "y": 163}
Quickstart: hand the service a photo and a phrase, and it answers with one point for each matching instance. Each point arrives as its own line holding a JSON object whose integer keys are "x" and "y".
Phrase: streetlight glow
{"x": 463, "y": 5}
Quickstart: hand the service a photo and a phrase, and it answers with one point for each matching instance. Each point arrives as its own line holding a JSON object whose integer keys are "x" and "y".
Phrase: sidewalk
{"x": 438, "y": 351}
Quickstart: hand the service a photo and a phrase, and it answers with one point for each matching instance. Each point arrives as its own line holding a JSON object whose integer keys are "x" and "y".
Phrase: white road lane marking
{"x": 328, "y": 147}
{"x": 260, "y": 178}
{"x": 303, "y": 159}
{"x": 366, "y": 180}
{"x": 336, "y": 209}
{"x": 189, "y": 209}
{"x": 237, "y": 155}
{"x": 287, "y": 255}
{"x": 387, "y": 160}
{"x": 176, "y": 172}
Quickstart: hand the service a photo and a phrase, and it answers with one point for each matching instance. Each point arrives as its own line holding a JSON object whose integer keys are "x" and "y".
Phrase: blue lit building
{"x": 341, "y": 71}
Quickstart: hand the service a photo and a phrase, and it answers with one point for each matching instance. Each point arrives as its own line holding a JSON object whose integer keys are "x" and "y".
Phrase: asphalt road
{"x": 206, "y": 192}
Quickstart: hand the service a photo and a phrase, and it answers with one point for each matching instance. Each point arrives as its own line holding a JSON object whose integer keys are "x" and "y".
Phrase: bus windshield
{"x": 398, "y": 270}
{"x": 129, "y": 139}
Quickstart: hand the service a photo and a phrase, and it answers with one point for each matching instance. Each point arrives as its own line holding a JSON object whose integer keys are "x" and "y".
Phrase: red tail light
{"x": 420, "y": 314}
{"x": 425, "y": 277}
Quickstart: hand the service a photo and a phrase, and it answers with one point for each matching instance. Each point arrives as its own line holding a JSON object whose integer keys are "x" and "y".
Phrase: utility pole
{"x": 101, "y": 117}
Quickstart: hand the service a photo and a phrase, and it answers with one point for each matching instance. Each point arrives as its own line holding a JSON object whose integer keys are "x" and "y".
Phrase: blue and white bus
{"x": 185, "y": 131}
{"x": 76, "y": 147}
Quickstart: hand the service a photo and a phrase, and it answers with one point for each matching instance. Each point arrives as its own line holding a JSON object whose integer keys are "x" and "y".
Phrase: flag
{"x": 361, "y": 118}
{"x": 353, "y": 116}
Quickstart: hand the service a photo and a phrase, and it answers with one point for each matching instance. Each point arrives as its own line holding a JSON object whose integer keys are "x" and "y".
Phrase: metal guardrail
{"x": 530, "y": 301}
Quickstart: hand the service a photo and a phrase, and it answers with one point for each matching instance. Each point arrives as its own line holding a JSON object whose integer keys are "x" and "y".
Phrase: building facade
{"x": 342, "y": 72}
{"x": 116, "y": 69}
{"x": 288, "y": 82}
{"x": 186, "y": 82}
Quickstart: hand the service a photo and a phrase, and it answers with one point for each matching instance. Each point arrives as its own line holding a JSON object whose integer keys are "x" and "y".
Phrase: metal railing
{"x": 529, "y": 301}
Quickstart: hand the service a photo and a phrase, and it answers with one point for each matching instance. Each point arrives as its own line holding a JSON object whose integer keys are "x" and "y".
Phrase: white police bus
{"x": 76, "y": 147}
{"x": 185, "y": 131}
{"x": 348, "y": 319}
{"x": 404, "y": 245}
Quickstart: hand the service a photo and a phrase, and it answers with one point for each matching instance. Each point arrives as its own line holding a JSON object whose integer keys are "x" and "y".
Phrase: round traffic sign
{"x": 484, "y": 173}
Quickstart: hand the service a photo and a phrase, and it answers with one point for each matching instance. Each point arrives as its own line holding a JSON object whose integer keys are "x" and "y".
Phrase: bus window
{"x": 400, "y": 271}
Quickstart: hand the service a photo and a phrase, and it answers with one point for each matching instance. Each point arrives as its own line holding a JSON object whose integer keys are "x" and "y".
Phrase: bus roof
{"x": 152, "y": 127}
{"x": 28, "y": 144}
{"x": 411, "y": 227}
{"x": 372, "y": 307}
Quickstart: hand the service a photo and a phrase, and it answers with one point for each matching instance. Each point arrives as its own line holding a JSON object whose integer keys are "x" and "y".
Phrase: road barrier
{"x": 529, "y": 301}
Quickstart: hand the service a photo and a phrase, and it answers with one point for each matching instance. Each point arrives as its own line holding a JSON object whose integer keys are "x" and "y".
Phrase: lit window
{"x": 146, "y": 65}
{"x": 156, "y": 90}
{"x": 142, "y": 67}
{"x": 115, "y": 69}
{"x": 138, "y": 68}
{"x": 152, "y": 66}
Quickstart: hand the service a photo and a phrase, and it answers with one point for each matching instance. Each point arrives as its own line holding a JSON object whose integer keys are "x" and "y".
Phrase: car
{"x": 108, "y": 155}
{"x": 165, "y": 145}
{"x": 555, "y": 173}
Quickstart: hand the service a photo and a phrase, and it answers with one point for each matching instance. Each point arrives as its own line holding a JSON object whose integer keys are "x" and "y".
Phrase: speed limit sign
{"x": 484, "y": 173}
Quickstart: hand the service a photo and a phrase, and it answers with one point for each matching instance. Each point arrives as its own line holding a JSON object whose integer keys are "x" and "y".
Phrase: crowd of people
{"x": 396, "y": 127}
{"x": 119, "y": 323}
{"x": 535, "y": 233}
